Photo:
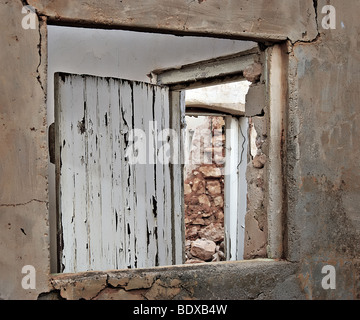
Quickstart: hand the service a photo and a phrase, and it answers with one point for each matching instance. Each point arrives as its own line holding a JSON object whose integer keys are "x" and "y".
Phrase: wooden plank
{"x": 242, "y": 186}
{"x": 150, "y": 183}
{"x": 177, "y": 118}
{"x": 118, "y": 208}
{"x": 164, "y": 251}
{"x": 64, "y": 163}
{"x": 139, "y": 100}
{"x": 78, "y": 128}
{"x": 231, "y": 186}
{"x": 168, "y": 227}
{"x": 128, "y": 186}
{"x": 104, "y": 143}
{"x": 93, "y": 179}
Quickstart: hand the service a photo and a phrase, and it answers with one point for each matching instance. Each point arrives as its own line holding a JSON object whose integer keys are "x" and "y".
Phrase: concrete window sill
{"x": 247, "y": 279}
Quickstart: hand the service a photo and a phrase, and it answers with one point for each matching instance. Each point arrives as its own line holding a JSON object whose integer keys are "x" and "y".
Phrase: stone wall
{"x": 204, "y": 194}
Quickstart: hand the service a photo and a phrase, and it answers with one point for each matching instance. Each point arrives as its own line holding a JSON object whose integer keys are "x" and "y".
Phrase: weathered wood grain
{"x": 115, "y": 196}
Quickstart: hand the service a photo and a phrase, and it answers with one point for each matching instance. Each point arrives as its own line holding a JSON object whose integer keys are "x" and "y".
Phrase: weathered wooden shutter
{"x": 113, "y": 214}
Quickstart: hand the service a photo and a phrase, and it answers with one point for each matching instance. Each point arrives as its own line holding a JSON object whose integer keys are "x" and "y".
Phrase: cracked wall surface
{"x": 322, "y": 222}
{"x": 271, "y": 20}
{"x": 23, "y": 150}
{"x": 261, "y": 279}
{"x": 322, "y": 171}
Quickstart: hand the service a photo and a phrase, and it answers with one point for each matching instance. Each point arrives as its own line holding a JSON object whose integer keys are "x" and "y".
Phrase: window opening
{"x": 228, "y": 128}
{"x": 206, "y": 175}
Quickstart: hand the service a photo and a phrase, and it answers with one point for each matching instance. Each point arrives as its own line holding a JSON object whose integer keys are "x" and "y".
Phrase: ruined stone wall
{"x": 204, "y": 194}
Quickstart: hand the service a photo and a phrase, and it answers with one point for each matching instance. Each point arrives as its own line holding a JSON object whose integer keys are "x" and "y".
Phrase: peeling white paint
{"x": 113, "y": 215}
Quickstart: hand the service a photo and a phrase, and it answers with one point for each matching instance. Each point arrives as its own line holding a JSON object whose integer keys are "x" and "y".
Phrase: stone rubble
{"x": 204, "y": 203}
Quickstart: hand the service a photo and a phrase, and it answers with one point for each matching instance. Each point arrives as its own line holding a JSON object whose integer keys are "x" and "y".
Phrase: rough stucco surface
{"x": 256, "y": 279}
{"x": 323, "y": 167}
{"x": 271, "y": 19}
{"x": 23, "y": 154}
{"x": 323, "y": 222}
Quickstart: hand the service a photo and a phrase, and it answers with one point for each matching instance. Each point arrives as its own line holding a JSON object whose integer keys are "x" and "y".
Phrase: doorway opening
{"x": 204, "y": 189}
{"x": 210, "y": 162}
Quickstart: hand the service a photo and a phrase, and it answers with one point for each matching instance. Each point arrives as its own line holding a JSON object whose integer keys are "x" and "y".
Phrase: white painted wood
{"x": 63, "y": 149}
{"x": 242, "y": 186}
{"x": 79, "y": 173}
{"x": 117, "y": 197}
{"x": 126, "y": 107}
{"x": 231, "y": 186}
{"x": 235, "y": 187}
{"x": 163, "y": 217}
{"x": 94, "y": 171}
{"x": 140, "y": 99}
{"x": 166, "y": 177}
{"x": 105, "y": 160}
{"x": 115, "y": 213}
{"x": 177, "y": 102}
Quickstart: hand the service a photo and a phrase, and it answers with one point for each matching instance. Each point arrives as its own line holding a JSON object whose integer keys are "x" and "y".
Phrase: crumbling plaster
{"x": 322, "y": 175}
